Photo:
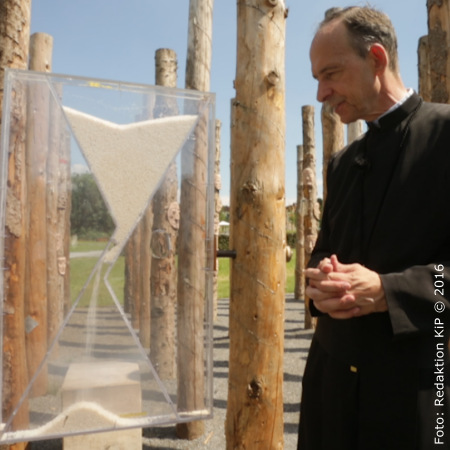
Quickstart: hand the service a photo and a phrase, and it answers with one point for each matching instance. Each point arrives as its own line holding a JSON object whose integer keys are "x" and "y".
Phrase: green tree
{"x": 90, "y": 217}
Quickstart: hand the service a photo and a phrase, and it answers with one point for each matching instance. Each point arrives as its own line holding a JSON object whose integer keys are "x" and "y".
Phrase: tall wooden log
{"x": 354, "y": 130}
{"x": 439, "y": 49}
{"x": 143, "y": 275}
{"x": 165, "y": 226}
{"x": 300, "y": 230}
{"x": 37, "y": 141}
{"x": 333, "y": 139}
{"x": 312, "y": 210}
{"x": 14, "y": 42}
{"x": 191, "y": 276}
{"x": 64, "y": 211}
{"x": 218, "y": 208}
{"x": 41, "y": 60}
{"x": 424, "y": 69}
{"x": 258, "y": 216}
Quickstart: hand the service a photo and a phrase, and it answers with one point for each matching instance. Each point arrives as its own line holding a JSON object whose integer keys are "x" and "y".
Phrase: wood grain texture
{"x": 258, "y": 224}
{"x": 217, "y": 209}
{"x": 36, "y": 153}
{"x": 310, "y": 211}
{"x": 333, "y": 139}
{"x": 163, "y": 269}
{"x": 424, "y": 69}
{"x": 299, "y": 291}
{"x": 439, "y": 49}
{"x": 14, "y": 42}
{"x": 191, "y": 239}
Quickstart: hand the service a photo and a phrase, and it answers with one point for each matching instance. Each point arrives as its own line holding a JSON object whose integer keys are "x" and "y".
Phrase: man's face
{"x": 346, "y": 81}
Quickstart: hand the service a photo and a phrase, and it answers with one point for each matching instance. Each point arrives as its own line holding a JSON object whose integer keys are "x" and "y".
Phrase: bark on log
{"x": 439, "y": 49}
{"x": 165, "y": 226}
{"x": 14, "y": 42}
{"x": 41, "y": 47}
{"x": 191, "y": 276}
{"x": 424, "y": 69}
{"x": 258, "y": 217}
{"x": 36, "y": 153}
{"x": 299, "y": 293}
{"x": 64, "y": 210}
{"x": 218, "y": 208}
{"x": 354, "y": 130}
{"x": 312, "y": 209}
{"x": 333, "y": 139}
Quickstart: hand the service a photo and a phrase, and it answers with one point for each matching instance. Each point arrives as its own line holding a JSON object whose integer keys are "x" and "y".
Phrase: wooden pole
{"x": 311, "y": 212}
{"x": 300, "y": 230}
{"x": 258, "y": 216}
{"x": 64, "y": 211}
{"x": 218, "y": 208}
{"x": 37, "y": 141}
{"x": 191, "y": 276}
{"x": 333, "y": 139}
{"x": 139, "y": 317}
{"x": 424, "y": 69}
{"x": 439, "y": 49}
{"x": 166, "y": 220}
{"x": 354, "y": 130}
{"x": 14, "y": 42}
{"x": 42, "y": 45}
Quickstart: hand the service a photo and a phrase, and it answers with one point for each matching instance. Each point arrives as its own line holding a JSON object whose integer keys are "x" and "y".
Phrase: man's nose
{"x": 323, "y": 92}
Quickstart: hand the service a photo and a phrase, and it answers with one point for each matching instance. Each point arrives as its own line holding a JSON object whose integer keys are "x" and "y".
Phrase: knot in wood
{"x": 308, "y": 177}
{"x": 310, "y": 242}
{"x": 250, "y": 189}
{"x": 273, "y": 78}
{"x": 272, "y": 2}
{"x": 254, "y": 390}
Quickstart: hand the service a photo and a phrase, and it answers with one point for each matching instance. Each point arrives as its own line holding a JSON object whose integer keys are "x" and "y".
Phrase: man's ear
{"x": 379, "y": 57}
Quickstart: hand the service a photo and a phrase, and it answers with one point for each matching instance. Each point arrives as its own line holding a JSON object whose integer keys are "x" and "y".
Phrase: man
{"x": 377, "y": 376}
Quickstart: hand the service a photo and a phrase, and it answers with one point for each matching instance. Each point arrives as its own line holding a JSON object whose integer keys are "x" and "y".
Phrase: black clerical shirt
{"x": 388, "y": 208}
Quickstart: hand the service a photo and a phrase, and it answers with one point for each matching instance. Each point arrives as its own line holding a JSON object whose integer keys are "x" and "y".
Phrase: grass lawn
{"x": 80, "y": 269}
{"x": 88, "y": 246}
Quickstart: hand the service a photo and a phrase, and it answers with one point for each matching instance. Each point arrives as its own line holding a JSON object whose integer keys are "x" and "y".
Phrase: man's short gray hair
{"x": 366, "y": 26}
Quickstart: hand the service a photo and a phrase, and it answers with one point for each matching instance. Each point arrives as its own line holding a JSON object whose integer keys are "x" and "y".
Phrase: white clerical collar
{"x": 408, "y": 94}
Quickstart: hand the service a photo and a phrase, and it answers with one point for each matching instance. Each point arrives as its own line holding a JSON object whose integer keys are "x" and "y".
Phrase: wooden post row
{"x": 166, "y": 218}
{"x": 36, "y": 154}
{"x": 300, "y": 228}
{"x": 14, "y": 42}
{"x": 438, "y": 50}
{"x": 218, "y": 208}
{"x": 191, "y": 277}
{"x": 310, "y": 210}
{"x": 258, "y": 216}
{"x": 333, "y": 139}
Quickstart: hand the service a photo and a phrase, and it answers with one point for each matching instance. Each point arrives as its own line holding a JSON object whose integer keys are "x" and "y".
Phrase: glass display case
{"x": 107, "y": 201}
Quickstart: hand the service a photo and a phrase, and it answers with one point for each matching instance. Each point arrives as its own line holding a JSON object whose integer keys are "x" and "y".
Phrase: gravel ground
{"x": 297, "y": 343}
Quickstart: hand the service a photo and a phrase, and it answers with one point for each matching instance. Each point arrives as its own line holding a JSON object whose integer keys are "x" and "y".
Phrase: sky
{"x": 117, "y": 40}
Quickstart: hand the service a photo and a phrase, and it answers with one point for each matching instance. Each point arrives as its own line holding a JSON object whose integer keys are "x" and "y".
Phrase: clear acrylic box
{"x": 107, "y": 199}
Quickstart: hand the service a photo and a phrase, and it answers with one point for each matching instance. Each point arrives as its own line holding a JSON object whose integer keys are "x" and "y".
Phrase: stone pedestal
{"x": 116, "y": 387}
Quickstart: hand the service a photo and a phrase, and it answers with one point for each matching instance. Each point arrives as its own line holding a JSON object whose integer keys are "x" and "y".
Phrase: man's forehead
{"x": 329, "y": 47}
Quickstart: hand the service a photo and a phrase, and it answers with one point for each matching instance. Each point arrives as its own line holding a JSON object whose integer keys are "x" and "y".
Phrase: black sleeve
{"x": 413, "y": 298}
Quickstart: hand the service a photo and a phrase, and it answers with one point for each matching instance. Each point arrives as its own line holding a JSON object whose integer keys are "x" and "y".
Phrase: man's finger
{"x": 315, "y": 274}
{"x": 332, "y": 285}
{"x": 339, "y": 267}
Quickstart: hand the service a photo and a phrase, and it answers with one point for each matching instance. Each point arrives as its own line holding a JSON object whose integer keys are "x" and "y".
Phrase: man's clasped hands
{"x": 345, "y": 290}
